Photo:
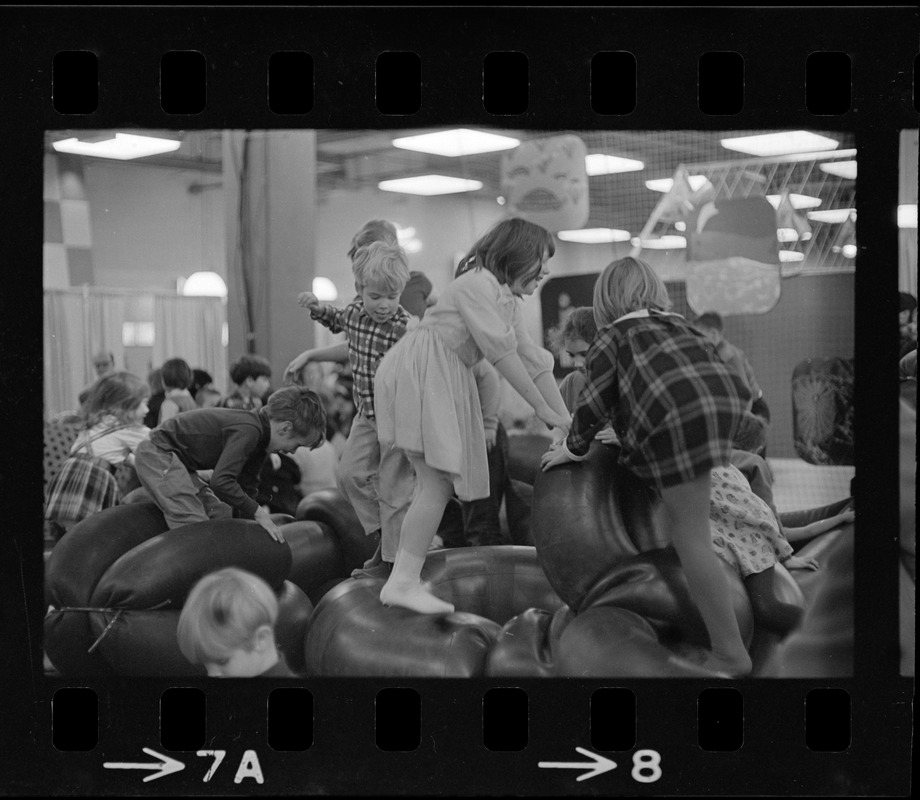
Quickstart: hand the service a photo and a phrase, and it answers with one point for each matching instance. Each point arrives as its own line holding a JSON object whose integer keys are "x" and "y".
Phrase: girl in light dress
{"x": 427, "y": 398}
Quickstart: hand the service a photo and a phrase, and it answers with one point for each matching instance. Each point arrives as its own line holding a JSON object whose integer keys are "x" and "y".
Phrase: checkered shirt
{"x": 368, "y": 341}
{"x": 673, "y": 403}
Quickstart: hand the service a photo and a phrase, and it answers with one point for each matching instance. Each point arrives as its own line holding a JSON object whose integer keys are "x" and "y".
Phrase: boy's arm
{"x": 330, "y": 316}
{"x": 335, "y": 352}
{"x": 229, "y": 472}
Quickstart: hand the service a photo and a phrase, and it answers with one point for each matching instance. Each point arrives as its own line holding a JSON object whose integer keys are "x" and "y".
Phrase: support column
{"x": 270, "y": 196}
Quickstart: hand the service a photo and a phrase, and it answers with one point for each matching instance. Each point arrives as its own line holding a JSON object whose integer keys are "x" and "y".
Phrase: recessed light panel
{"x": 778, "y": 144}
{"x": 594, "y": 235}
{"x": 797, "y": 200}
{"x": 602, "y": 164}
{"x": 843, "y": 169}
{"x": 832, "y": 215}
{"x": 456, "y": 142}
{"x": 429, "y": 185}
{"x": 122, "y": 146}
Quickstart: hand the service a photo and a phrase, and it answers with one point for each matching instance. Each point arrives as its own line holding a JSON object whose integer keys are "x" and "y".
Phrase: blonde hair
{"x": 626, "y": 285}
{"x": 381, "y": 264}
{"x": 580, "y": 324}
{"x": 118, "y": 394}
{"x": 222, "y": 614}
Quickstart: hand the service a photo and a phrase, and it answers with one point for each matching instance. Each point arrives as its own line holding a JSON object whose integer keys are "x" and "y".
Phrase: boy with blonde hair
{"x": 228, "y": 625}
{"x": 377, "y": 481}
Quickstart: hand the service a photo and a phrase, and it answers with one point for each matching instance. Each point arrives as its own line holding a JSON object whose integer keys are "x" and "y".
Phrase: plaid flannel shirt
{"x": 368, "y": 341}
{"x": 635, "y": 390}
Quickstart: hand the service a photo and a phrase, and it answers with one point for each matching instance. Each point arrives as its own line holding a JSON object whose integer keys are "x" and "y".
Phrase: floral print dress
{"x": 745, "y": 532}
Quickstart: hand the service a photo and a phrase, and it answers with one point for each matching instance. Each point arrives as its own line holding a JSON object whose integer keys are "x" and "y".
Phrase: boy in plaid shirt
{"x": 378, "y": 481}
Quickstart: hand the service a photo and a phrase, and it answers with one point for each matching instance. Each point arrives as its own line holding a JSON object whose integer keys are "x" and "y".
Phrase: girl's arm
{"x": 512, "y": 369}
{"x": 168, "y": 409}
{"x": 812, "y": 529}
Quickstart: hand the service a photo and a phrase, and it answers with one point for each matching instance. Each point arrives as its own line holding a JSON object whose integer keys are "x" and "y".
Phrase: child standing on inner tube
{"x": 427, "y": 399}
{"x": 675, "y": 407}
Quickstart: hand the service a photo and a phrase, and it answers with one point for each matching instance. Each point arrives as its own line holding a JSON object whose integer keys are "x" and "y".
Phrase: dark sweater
{"x": 232, "y": 442}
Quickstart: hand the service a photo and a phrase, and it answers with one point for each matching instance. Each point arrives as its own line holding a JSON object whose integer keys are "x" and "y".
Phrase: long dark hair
{"x": 514, "y": 248}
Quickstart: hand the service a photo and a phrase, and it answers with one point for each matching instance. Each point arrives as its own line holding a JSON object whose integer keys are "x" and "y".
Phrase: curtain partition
{"x": 82, "y": 321}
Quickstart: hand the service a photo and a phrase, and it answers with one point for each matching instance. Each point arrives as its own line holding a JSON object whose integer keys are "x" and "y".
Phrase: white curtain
{"x": 191, "y": 328}
{"x": 77, "y": 324}
{"x": 907, "y": 237}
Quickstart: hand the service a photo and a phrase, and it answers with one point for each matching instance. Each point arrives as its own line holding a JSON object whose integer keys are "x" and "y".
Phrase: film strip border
{"x": 563, "y": 90}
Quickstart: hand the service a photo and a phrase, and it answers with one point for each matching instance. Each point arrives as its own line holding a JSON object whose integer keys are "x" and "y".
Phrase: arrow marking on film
{"x": 599, "y": 766}
{"x": 166, "y": 766}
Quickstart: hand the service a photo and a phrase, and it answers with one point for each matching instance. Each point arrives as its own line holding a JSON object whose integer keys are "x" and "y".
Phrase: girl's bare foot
{"x": 413, "y": 596}
{"x": 729, "y": 666}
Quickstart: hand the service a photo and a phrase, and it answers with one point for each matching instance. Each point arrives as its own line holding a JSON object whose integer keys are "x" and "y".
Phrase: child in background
{"x": 575, "y": 336}
{"x": 252, "y": 377}
{"x": 377, "y": 480}
{"x": 746, "y": 529}
{"x": 157, "y": 395}
{"x": 113, "y": 417}
{"x": 427, "y": 399}
{"x": 234, "y": 444}
{"x": 176, "y": 375}
{"x": 711, "y": 325}
{"x": 228, "y": 625}
{"x": 675, "y": 407}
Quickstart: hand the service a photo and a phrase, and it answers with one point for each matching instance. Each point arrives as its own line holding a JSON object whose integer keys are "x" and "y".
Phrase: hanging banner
{"x": 733, "y": 260}
{"x": 545, "y": 181}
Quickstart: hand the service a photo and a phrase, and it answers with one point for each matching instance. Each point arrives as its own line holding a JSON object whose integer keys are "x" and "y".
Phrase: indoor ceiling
{"x": 359, "y": 159}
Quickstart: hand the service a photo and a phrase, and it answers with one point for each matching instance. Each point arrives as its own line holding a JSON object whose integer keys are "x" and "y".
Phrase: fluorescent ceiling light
{"x": 457, "y": 142}
{"x": 602, "y": 164}
{"x": 661, "y": 243}
{"x": 122, "y": 146}
{"x": 788, "y": 256}
{"x": 833, "y": 215}
{"x": 797, "y": 200}
{"x": 324, "y": 289}
{"x": 907, "y": 215}
{"x": 778, "y": 144}
{"x": 697, "y": 182}
{"x": 594, "y": 235}
{"x": 791, "y": 235}
{"x": 430, "y": 185}
{"x": 843, "y": 169}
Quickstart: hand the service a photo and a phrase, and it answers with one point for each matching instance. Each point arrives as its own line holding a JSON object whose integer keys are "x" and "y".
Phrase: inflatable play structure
{"x": 600, "y": 594}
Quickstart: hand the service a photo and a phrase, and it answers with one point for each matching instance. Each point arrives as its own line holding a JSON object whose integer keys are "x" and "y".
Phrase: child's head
{"x": 252, "y": 374}
{"x": 375, "y": 230}
{"x": 751, "y": 434}
{"x": 103, "y": 363}
{"x": 381, "y": 273}
{"x": 515, "y": 251}
{"x": 121, "y": 394}
{"x": 710, "y": 324}
{"x": 298, "y": 419}
{"x": 155, "y": 380}
{"x": 228, "y": 623}
{"x": 415, "y": 297}
{"x": 176, "y": 374}
{"x": 575, "y": 335}
{"x": 627, "y": 285}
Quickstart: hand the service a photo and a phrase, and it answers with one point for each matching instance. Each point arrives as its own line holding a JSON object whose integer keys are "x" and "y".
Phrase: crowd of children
{"x": 407, "y": 428}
